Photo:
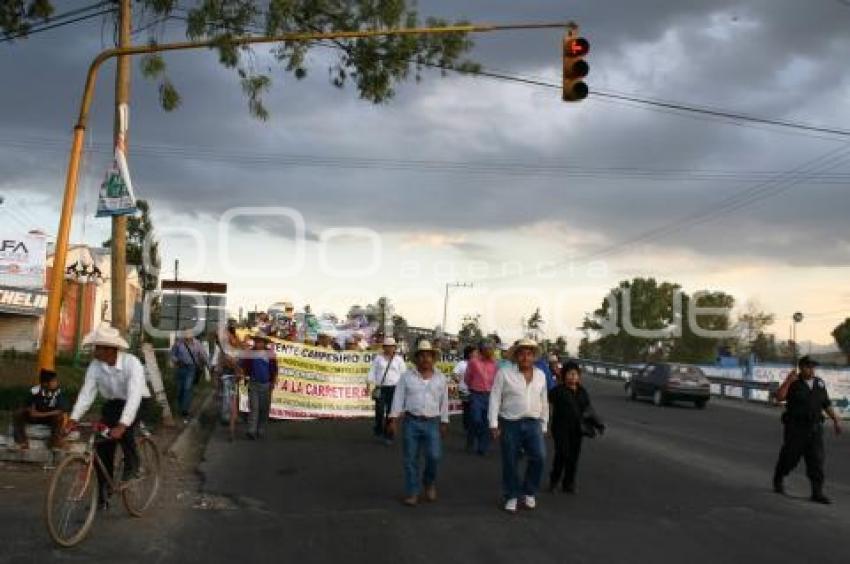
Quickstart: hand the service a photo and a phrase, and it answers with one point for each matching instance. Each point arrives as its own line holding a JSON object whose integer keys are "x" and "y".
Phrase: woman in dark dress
{"x": 572, "y": 418}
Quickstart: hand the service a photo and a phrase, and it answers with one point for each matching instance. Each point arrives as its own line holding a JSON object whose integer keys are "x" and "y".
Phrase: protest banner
{"x": 322, "y": 383}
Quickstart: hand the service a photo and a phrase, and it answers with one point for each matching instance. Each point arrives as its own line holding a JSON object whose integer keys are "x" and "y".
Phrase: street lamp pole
{"x": 82, "y": 275}
{"x": 47, "y": 352}
{"x": 797, "y": 318}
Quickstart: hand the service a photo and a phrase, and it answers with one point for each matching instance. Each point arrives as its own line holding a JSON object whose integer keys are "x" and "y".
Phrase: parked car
{"x": 666, "y": 382}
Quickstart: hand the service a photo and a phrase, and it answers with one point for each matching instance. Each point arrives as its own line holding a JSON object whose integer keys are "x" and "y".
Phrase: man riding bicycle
{"x": 119, "y": 378}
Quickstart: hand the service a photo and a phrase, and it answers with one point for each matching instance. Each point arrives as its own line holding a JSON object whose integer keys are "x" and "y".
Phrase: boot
{"x": 818, "y": 497}
{"x": 778, "y": 486}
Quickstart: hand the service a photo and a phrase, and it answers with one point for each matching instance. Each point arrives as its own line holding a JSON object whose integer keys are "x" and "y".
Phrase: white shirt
{"x": 423, "y": 398}
{"x": 459, "y": 373}
{"x": 513, "y": 399}
{"x": 376, "y": 371}
{"x": 125, "y": 380}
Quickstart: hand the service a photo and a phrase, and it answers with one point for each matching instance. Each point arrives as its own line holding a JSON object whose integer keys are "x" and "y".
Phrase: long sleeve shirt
{"x": 459, "y": 373}
{"x": 568, "y": 408}
{"x": 421, "y": 397}
{"x": 124, "y": 381}
{"x": 189, "y": 352}
{"x": 513, "y": 398}
{"x": 260, "y": 369}
{"x": 480, "y": 373}
{"x": 397, "y": 367}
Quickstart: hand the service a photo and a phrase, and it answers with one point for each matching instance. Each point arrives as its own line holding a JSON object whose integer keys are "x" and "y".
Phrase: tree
{"x": 374, "y": 65}
{"x": 751, "y": 325}
{"x": 764, "y": 348}
{"x": 694, "y": 348}
{"x": 841, "y": 334}
{"x": 470, "y": 331}
{"x": 139, "y": 229}
{"x": 534, "y": 325}
{"x": 651, "y": 308}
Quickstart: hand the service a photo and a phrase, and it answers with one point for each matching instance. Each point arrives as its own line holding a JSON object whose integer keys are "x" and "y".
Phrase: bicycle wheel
{"x": 71, "y": 501}
{"x": 138, "y": 494}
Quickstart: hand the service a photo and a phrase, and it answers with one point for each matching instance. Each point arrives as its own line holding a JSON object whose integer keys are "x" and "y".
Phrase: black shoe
{"x": 778, "y": 486}
{"x": 570, "y": 488}
{"x": 129, "y": 475}
{"x": 820, "y": 498}
{"x": 251, "y": 436}
{"x": 553, "y": 485}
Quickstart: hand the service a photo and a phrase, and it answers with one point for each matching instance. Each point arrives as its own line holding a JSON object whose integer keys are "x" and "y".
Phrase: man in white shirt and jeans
{"x": 384, "y": 374}
{"x": 119, "y": 378}
{"x": 519, "y": 415}
{"x": 422, "y": 403}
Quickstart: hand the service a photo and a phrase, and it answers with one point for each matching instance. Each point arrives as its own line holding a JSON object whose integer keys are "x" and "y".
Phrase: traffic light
{"x": 575, "y": 67}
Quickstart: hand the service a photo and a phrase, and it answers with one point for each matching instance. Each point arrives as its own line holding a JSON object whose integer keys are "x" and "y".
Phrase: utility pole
{"x": 446, "y": 301}
{"x": 119, "y": 222}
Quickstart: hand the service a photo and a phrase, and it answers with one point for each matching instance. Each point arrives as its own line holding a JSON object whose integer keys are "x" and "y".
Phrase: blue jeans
{"x": 478, "y": 435}
{"x": 525, "y": 435}
{"x": 185, "y": 376}
{"x": 420, "y": 437}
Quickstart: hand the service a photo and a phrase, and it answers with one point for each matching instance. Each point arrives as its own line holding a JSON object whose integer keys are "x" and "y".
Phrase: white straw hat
{"x": 389, "y": 342}
{"x": 105, "y": 336}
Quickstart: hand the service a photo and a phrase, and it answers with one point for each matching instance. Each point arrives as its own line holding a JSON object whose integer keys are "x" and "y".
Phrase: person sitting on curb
{"x": 421, "y": 401}
{"x": 46, "y": 405}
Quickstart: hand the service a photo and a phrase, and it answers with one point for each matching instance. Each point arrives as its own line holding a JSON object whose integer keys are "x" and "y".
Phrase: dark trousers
{"x": 478, "y": 435}
{"x": 22, "y": 417}
{"x": 185, "y": 377}
{"x": 260, "y": 400}
{"x": 804, "y": 442}
{"x": 567, "y": 452}
{"x": 110, "y": 416}
{"x": 383, "y": 405}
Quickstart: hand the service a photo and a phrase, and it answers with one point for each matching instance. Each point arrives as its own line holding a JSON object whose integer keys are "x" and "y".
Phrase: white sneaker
{"x": 530, "y": 502}
{"x": 510, "y": 505}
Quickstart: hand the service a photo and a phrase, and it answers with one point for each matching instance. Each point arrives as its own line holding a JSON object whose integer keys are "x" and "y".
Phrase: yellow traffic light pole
{"x": 47, "y": 352}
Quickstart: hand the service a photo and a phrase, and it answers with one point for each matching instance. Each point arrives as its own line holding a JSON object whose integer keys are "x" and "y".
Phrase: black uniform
{"x": 803, "y": 436}
{"x": 571, "y": 415}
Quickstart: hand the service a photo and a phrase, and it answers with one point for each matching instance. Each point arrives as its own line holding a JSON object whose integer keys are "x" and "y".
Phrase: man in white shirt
{"x": 384, "y": 374}
{"x": 459, "y": 374}
{"x": 422, "y": 403}
{"x": 119, "y": 378}
{"x": 519, "y": 415}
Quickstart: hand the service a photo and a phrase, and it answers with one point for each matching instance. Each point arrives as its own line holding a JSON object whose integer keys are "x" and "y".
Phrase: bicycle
{"x": 74, "y": 486}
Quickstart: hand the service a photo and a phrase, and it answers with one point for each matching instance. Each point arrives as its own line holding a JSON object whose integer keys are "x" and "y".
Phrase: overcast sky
{"x": 459, "y": 170}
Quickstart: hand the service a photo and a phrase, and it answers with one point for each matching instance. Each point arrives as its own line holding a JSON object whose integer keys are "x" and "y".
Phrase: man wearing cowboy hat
{"x": 260, "y": 367}
{"x": 384, "y": 374}
{"x": 119, "y": 378}
{"x": 519, "y": 414}
{"x": 422, "y": 403}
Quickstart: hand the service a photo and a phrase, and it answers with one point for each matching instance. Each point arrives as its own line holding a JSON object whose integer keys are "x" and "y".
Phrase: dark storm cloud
{"x": 209, "y": 156}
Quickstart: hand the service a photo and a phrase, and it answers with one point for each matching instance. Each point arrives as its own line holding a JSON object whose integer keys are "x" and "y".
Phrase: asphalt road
{"x": 663, "y": 485}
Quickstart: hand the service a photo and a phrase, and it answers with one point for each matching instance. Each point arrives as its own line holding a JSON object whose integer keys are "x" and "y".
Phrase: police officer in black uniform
{"x": 806, "y": 401}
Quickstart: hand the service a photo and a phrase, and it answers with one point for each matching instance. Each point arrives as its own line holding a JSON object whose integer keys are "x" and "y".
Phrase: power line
{"x": 747, "y": 197}
{"x": 511, "y": 168}
{"x": 61, "y": 20}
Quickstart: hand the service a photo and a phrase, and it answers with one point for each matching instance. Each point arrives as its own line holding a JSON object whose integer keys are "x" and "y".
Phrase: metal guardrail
{"x": 726, "y": 386}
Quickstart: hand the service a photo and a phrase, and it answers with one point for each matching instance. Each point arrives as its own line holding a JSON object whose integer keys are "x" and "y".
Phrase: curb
{"x": 190, "y": 434}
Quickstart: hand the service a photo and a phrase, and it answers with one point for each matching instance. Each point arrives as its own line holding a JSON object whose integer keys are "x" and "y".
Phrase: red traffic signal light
{"x": 578, "y": 47}
{"x": 575, "y": 68}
